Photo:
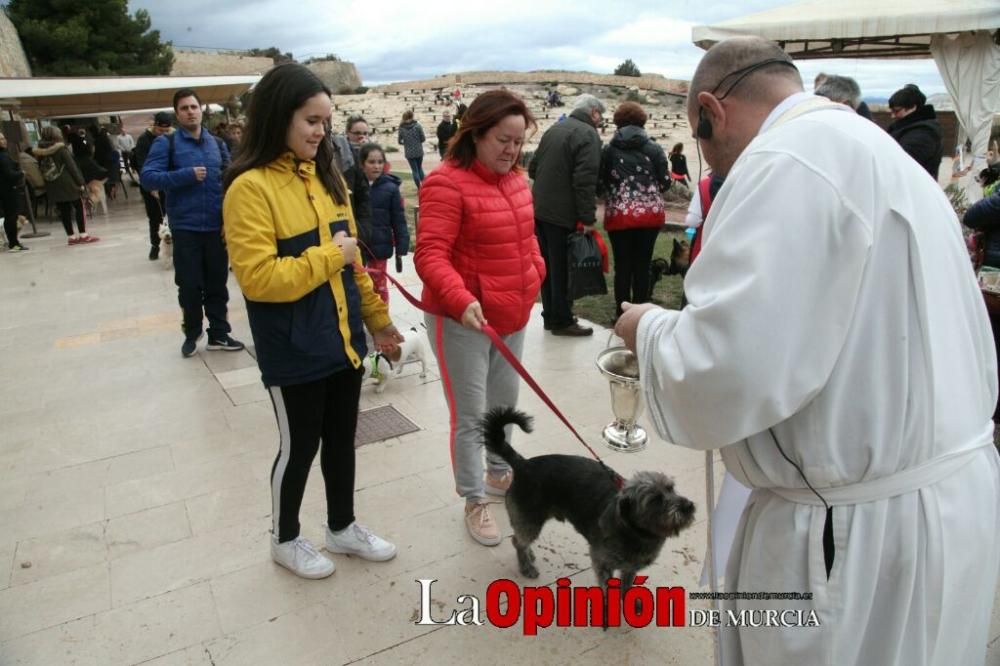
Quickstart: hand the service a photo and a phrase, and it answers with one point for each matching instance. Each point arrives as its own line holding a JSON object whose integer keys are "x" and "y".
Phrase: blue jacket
{"x": 984, "y": 216}
{"x": 191, "y": 205}
{"x": 388, "y": 220}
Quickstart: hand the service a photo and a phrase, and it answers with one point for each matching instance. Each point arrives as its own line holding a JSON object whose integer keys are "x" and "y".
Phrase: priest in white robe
{"x": 835, "y": 337}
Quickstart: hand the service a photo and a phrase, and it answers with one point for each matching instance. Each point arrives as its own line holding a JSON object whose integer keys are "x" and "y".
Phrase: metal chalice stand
{"x": 621, "y": 368}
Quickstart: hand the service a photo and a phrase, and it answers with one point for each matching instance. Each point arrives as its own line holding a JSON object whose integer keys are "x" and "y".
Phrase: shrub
{"x": 627, "y": 68}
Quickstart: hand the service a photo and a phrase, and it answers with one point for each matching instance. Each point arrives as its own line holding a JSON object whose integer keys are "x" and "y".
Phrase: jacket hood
{"x": 387, "y": 178}
{"x": 409, "y": 123}
{"x": 630, "y": 137}
{"x": 45, "y": 149}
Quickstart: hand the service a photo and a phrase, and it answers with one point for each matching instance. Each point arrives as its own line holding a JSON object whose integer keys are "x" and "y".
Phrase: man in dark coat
{"x": 564, "y": 170}
{"x": 446, "y": 129}
{"x": 916, "y": 128}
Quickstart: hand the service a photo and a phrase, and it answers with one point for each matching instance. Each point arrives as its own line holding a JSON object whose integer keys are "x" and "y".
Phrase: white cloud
{"x": 396, "y": 40}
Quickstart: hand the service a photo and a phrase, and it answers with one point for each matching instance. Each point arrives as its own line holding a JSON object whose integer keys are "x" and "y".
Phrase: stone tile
{"x": 288, "y": 639}
{"x": 150, "y": 572}
{"x": 179, "y": 484}
{"x": 168, "y": 630}
{"x": 70, "y": 644}
{"x": 67, "y": 482}
{"x": 211, "y": 447}
{"x": 265, "y": 591}
{"x": 243, "y": 377}
{"x": 193, "y": 656}
{"x": 51, "y": 601}
{"x": 6, "y": 563}
{"x": 400, "y": 498}
{"x": 59, "y": 553}
{"x": 145, "y": 530}
{"x": 34, "y": 519}
{"x": 157, "y": 626}
{"x": 224, "y": 363}
{"x": 230, "y": 506}
{"x": 250, "y": 393}
{"x": 12, "y": 490}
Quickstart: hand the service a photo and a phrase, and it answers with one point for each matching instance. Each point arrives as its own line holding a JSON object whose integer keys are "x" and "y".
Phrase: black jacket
{"x": 984, "y": 216}
{"x": 565, "y": 169}
{"x": 11, "y": 177}
{"x": 920, "y": 136}
{"x": 141, "y": 149}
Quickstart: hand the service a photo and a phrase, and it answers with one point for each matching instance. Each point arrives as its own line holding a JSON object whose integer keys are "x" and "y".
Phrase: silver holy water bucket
{"x": 621, "y": 368}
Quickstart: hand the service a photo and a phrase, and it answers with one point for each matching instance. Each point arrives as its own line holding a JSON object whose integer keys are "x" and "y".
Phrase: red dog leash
{"x": 505, "y": 351}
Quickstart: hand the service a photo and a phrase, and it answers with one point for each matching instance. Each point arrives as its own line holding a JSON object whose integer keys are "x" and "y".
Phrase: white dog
{"x": 166, "y": 245}
{"x": 381, "y": 369}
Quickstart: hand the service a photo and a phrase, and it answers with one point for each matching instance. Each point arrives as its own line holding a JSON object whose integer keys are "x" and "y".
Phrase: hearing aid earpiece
{"x": 704, "y": 129}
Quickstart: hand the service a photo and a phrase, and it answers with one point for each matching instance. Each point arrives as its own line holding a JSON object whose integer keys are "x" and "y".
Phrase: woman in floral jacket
{"x": 634, "y": 176}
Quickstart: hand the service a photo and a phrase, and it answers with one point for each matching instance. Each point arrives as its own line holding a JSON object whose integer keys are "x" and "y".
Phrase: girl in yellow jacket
{"x": 292, "y": 244}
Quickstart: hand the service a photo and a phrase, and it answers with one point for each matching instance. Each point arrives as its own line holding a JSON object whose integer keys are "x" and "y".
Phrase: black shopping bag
{"x": 586, "y": 278}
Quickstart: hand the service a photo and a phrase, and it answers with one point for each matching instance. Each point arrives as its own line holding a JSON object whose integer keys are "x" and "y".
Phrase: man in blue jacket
{"x": 188, "y": 166}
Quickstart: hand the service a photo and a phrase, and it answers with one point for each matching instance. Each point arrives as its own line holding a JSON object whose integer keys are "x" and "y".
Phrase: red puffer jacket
{"x": 476, "y": 241}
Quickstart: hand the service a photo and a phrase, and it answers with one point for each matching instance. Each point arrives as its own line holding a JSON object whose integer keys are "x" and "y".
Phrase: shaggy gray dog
{"x": 625, "y": 523}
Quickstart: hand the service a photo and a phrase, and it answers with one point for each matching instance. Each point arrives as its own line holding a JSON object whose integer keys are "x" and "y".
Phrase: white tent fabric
{"x": 39, "y": 97}
{"x": 857, "y": 28}
{"x": 970, "y": 66}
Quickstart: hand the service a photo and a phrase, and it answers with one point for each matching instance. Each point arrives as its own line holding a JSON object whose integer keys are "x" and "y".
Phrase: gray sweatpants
{"x": 475, "y": 378}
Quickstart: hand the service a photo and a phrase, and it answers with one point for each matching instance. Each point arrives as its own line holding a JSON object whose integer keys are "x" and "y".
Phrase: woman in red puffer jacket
{"x": 479, "y": 260}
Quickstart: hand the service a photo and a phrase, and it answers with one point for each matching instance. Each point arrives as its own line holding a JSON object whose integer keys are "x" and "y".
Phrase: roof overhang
{"x": 41, "y": 97}
{"x": 857, "y": 28}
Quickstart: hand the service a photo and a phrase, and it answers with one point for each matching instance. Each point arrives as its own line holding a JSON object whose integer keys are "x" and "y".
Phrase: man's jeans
{"x": 201, "y": 269}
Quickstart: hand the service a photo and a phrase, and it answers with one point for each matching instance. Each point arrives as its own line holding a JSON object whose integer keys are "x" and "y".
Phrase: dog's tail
{"x": 493, "y": 425}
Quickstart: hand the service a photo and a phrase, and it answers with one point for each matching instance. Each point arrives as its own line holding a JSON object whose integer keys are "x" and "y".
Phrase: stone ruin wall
{"x": 651, "y": 82}
{"x": 336, "y": 74}
{"x": 13, "y": 59}
{"x": 202, "y": 63}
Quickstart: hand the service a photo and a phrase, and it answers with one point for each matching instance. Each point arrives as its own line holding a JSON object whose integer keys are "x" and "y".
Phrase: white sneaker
{"x": 301, "y": 558}
{"x": 356, "y": 539}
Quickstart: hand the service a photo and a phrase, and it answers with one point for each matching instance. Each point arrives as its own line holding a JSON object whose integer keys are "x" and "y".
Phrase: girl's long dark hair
{"x": 278, "y": 95}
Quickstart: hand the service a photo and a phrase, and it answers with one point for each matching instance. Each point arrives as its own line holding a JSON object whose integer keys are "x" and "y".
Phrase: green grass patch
{"x": 667, "y": 292}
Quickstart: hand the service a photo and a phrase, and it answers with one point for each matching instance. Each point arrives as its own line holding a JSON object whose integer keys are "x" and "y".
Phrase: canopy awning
{"x": 857, "y": 28}
{"x": 41, "y": 97}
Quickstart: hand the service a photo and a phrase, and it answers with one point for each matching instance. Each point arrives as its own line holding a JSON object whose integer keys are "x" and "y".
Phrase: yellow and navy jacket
{"x": 306, "y": 307}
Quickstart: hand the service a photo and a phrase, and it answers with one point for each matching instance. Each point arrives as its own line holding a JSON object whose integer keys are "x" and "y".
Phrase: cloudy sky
{"x": 391, "y": 40}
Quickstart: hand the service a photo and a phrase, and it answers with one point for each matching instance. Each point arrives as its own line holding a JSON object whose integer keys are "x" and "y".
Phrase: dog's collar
{"x": 376, "y": 373}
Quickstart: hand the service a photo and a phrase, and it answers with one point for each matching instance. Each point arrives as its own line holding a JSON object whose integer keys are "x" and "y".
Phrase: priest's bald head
{"x": 737, "y": 84}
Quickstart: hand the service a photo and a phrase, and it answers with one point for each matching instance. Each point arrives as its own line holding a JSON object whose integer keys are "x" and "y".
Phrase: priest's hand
{"x": 628, "y": 324}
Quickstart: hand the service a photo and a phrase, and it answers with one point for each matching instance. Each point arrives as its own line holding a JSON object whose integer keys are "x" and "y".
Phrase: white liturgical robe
{"x": 834, "y": 317}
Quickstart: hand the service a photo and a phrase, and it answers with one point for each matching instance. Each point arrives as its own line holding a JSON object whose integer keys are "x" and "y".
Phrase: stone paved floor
{"x": 134, "y": 503}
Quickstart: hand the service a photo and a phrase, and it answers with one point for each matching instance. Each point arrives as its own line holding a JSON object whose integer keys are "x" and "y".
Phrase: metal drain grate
{"x": 381, "y": 423}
